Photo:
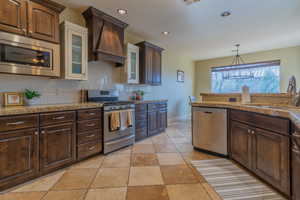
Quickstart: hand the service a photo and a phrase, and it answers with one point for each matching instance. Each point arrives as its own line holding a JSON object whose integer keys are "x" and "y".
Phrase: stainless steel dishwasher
{"x": 210, "y": 129}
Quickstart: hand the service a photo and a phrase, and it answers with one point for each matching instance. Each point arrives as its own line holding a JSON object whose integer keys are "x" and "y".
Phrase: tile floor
{"x": 157, "y": 168}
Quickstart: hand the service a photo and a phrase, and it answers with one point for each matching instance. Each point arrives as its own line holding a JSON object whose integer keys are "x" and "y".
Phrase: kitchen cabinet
{"x": 264, "y": 152}
{"x": 241, "y": 143}
{"x": 162, "y": 119}
{"x": 74, "y": 50}
{"x": 57, "y": 144}
{"x": 106, "y": 37}
{"x": 141, "y": 121}
{"x": 150, "y": 63}
{"x": 131, "y": 69}
{"x": 13, "y": 16}
{"x": 18, "y": 150}
{"x": 295, "y": 165}
{"x": 152, "y": 123}
{"x": 31, "y": 18}
{"x": 89, "y": 133}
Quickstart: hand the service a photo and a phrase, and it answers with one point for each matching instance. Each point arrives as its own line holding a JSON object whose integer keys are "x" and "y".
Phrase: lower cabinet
{"x": 150, "y": 119}
{"x": 296, "y": 166}
{"x": 57, "y": 145}
{"x": 18, "y": 157}
{"x": 263, "y": 152}
{"x": 241, "y": 143}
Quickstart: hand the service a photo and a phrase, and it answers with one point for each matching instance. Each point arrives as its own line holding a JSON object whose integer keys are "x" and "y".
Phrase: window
{"x": 263, "y": 77}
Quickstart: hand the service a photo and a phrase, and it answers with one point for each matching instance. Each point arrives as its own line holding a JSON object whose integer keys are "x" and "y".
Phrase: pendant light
{"x": 237, "y": 60}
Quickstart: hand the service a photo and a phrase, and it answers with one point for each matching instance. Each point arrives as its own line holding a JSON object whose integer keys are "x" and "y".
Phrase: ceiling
{"x": 197, "y": 30}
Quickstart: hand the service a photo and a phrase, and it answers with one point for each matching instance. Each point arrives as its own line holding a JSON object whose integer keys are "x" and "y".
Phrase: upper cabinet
{"x": 150, "y": 63}
{"x": 33, "y": 18}
{"x": 74, "y": 51}
{"x": 106, "y": 36}
{"x": 13, "y": 16}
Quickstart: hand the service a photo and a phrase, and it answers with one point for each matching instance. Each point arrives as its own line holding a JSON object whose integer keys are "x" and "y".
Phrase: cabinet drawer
{"x": 57, "y": 117}
{"x": 276, "y": 124}
{"x": 89, "y": 136}
{"x": 141, "y": 108}
{"x": 89, "y": 114}
{"x": 152, "y": 107}
{"x": 18, "y": 122}
{"x": 88, "y": 149}
{"x": 141, "y": 116}
{"x": 89, "y": 125}
{"x": 162, "y": 105}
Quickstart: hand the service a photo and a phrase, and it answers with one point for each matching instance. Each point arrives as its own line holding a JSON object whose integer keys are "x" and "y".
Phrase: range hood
{"x": 106, "y": 36}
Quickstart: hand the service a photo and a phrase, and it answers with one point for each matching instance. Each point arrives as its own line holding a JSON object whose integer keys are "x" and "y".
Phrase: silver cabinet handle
{"x": 15, "y": 123}
{"x": 90, "y": 125}
{"x": 36, "y": 132}
{"x": 253, "y": 132}
{"x": 249, "y": 130}
{"x": 56, "y": 118}
{"x": 92, "y": 113}
{"x": 92, "y": 148}
{"x": 296, "y": 135}
{"x": 90, "y": 136}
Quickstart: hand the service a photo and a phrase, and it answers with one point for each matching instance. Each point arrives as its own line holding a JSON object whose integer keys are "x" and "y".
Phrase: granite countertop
{"x": 290, "y": 112}
{"x": 150, "y": 101}
{"x": 17, "y": 110}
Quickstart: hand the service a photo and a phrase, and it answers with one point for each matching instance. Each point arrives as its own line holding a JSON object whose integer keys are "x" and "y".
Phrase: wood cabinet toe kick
{"x": 32, "y": 145}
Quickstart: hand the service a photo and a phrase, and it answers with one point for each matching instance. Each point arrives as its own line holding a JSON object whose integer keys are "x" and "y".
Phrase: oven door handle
{"x": 122, "y": 140}
{"x": 130, "y": 110}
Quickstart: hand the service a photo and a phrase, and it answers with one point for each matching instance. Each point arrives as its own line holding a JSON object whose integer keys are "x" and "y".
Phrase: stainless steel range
{"x": 118, "y": 120}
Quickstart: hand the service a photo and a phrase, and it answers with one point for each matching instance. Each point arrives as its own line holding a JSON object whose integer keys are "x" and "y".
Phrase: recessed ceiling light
{"x": 122, "y": 11}
{"x": 225, "y": 14}
{"x": 165, "y": 32}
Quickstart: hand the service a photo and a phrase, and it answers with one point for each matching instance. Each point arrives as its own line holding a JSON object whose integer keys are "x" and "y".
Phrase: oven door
{"x": 122, "y": 132}
{"x": 22, "y": 55}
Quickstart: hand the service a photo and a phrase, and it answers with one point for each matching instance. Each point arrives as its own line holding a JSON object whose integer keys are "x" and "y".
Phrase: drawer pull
{"x": 296, "y": 135}
{"x": 58, "y": 118}
{"x": 92, "y": 148}
{"x": 90, "y": 136}
{"x": 91, "y": 124}
{"x": 15, "y": 123}
{"x": 59, "y": 130}
{"x": 92, "y": 113}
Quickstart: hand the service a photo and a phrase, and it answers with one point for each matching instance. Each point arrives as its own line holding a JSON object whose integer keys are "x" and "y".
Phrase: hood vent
{"x": 106, "y": 36}
{"x": 188, "y": 2}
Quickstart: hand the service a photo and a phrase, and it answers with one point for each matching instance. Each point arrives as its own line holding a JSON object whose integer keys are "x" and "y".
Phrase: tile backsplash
{"x": 102, "y": 75}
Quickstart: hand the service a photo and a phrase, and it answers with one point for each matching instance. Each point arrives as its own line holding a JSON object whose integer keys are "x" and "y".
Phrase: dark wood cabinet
{"x": 18, "y": 156}
{"x": 106, "y": 36}
{"x": 57, "y": 145}
{"x": 43, "y": 22}
{"x": 241, "y": 143}
{"x": 152, "y": 123}
{"x": 263, "y": 151}
{"x": 141, "y": 121}
{"x": 296, "y": 165}
{"x": 150, "y": 63}
{"x": 13, "y": 16}
{"x": 32, "y": 18}
{"x": 271, "y": 158}
{"x": 162, "y": 120}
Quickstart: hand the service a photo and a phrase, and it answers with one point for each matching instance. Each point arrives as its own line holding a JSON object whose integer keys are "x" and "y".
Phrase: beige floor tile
{"x": 161, "y": 139}
{"x": 195, "y": 155}
{"x": 107, "y": 194}
{"x": 147, "y": 193}
{"x": 144, "y": 159}
{"x": 41, "y": 184}
{"x": 65, "y": 195}
{"x": 111, "y": 177}
{"x": 22, "y": 196}
{"x": 94, "y": 162}
{"x": 181, "y": 140}
{"x": 126, "y": 150}
{"x": 116, "y": 161}
{"x": 211, "y": 192}
{"x": 145, "y": 176}
{"x": 178, "y": 174}
{"x": 75, "y": 179}
{"x": 170, "y": 159}
{"x": 143, "y": 148}
{"x": 185, "y": 148}
{"x": 145, "y": 141}
{"x": 187, "y": 192}
{"x": 165, "y": 148}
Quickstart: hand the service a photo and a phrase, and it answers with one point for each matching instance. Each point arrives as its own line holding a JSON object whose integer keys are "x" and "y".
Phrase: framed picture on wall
{"x": 180, "y": 76}
{"x": 13, "y": 99}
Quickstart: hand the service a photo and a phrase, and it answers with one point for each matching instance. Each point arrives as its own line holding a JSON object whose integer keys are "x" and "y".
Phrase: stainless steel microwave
{"x": 23, "y": 55}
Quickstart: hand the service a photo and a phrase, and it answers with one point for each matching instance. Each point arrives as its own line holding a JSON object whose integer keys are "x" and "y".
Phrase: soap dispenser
{"x": 246, "y": 95}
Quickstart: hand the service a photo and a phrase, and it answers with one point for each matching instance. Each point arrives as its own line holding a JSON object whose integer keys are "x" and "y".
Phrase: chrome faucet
{"x": 296, "y": 99}
{"x": 292, "y": 90}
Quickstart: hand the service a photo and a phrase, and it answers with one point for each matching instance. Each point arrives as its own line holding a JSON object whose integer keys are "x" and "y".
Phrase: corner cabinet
{"x": 74, "y": 50}
{"x": 32, "y": 18}
{"x": 150, "y": 63}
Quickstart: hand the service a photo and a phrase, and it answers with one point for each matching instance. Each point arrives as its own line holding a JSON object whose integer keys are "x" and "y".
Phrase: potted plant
{"x": 31, "y": 96}
{"x": 140, "y": 95}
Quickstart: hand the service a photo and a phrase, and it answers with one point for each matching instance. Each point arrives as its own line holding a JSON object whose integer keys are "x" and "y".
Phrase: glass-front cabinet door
{"x": 132, "y": 64}
{"x": 75, "y": 52}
